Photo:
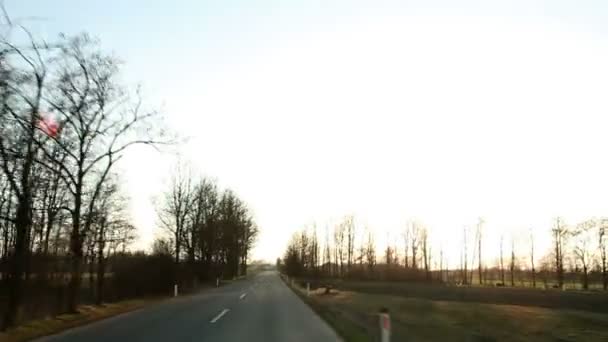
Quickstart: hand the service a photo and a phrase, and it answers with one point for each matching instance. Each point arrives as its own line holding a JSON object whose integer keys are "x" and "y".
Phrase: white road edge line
{"x": 216, "y": 318}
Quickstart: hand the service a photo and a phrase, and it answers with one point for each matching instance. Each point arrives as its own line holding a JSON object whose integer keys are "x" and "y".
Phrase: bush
{"x": 138, "y": 274}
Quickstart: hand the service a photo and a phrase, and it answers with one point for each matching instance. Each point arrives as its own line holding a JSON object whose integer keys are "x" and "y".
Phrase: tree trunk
{"x": 76, "y": 256}
{"x": 604, "y": 273}
{"x": 559, "y": 258}
{"x": 425, "y": 255}
{"x": 76, "y": 244}
{"x": 177, "y": 246}
{"x": 101, "y": 271}
{"x": 101, "y": 265}
{"x": 532, "y": 262}
{"x": 406, "y": 250}
{"x": 479, "y": 235}
{"x": 585, "y": 278}
{"x": 28, "y": 248}
{"x": 23, "y": 222}
{"x": 5, "y": 238}
{"x": 502, "y": 265}
{"x": 91, "y": 258}
{"x": 479, "y": 274}
{"x": 512, "y": 265}
{"x": 49, "y": 226}
{"x": 245, "y": 262}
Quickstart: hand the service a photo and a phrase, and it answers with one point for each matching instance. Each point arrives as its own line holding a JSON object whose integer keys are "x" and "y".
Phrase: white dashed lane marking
{"x": 216, "y": 318}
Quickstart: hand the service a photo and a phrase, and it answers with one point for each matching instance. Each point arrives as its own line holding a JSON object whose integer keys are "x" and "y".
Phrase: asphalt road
{"x": 259, "y": 309}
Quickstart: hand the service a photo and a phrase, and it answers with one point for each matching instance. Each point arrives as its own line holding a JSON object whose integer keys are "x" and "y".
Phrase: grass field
{"x": 353, "y": 314}
{"x": 596, "y": 301}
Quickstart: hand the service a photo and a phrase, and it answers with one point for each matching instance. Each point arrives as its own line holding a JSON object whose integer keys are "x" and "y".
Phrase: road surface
{"x": 259, "y": 309}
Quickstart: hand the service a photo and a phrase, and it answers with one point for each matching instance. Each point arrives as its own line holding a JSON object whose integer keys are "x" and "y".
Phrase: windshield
{"x": 303, "y": 170}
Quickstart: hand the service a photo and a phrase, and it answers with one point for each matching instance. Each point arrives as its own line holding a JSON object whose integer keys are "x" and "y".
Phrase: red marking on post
{"x": 386, "y": 322}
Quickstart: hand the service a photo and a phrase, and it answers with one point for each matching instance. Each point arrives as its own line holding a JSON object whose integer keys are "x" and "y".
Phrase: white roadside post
{"x": 175, "y": 290}
{"x": 385, "y": 325}
{"x": 217, "y": 282}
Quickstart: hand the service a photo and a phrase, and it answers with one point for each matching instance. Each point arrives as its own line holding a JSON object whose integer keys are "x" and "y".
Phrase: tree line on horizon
{"x": 578, "y": 255}
{"x": 211, "y": 230}
{"x": 66, "y": 120}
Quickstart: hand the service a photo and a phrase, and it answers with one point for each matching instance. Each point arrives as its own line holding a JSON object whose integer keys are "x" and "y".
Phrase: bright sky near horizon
{"x": 388, "y": 110}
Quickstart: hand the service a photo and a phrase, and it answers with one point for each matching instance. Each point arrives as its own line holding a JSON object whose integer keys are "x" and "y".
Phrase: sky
{"x": 387, "y": 110}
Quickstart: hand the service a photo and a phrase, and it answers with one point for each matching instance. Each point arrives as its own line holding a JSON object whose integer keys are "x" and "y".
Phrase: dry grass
{"x": 350, "y": 330}
{"x": 596, "y": 301}
{"x": 417, "y": 319}
{"x": 86, "y": 314}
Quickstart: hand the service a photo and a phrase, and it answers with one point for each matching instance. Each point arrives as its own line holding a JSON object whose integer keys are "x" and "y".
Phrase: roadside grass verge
{"x": 87, "y": 314}
{"x": 353, "y": 315}
{"x": 32, "y": 329}
{"x": 415, "y": 319}
{"x": 348, "y": 329}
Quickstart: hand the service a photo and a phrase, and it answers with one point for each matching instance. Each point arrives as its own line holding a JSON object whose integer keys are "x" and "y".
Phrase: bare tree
{"x": 23, "y": 75}
{"x": 441, "y": 263}
{"x": 349, "y": 224}
{"x": 175, "y": 207}
{"x": 603, "y": 231}
{"x": 162, "y": 246}
{"x": 327, "y": 253}
{"x": 426, "y": 255}
{"x": 304, "y": 250}
{"x": 414, "y": 236}
{"x": 465, "y": 257}
{"x": 479, "y": 232}
{"x": 111, "y": 228}
{"x": 388, "y": 255}
{"x": 206, "y": 222}
{"x": 98, "y": 122}
{"x": 55, "y": 197}
{"x": 532, "y": 259}
{"x": 314, "y": 251}
{"x": 238, "y": 233}
{"x": 406, "y": 237}
{"x": 560, "y": 232}
{"x": 339, "y": 247}
{"x": 502, "y": 265}
{"x": 6, "y": 222}
{"x": 370, "y": 252}
{"x": 512, "y": 263}
{"x": 361, "y": 257}
{"x": 582, "y": 236}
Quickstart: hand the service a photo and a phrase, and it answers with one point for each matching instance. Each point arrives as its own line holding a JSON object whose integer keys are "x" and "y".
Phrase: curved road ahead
{"x": 259, "y": 309}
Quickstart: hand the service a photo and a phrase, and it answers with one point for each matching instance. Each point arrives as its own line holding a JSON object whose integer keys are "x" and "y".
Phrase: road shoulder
{"x": 87, "y": 314}
{"x": 346, "y": 329}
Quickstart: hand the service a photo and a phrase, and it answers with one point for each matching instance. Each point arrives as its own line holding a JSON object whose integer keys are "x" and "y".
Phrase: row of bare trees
{"x": 212, "y": 230}
{"x": 65, "y": 121}
{"x": 587, "y": 243}
{"x": 578, "y": 251}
